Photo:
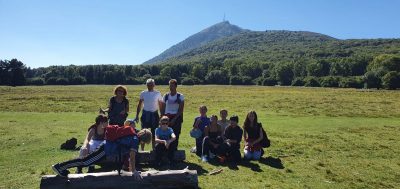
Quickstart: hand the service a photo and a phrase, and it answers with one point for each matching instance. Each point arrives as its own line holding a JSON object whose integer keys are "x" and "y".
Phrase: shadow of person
{"x": 253, "y": 166}
{"x": 230, "y": 164}
{"x": 272, "y": 162}
{"x": 189, "y": 165}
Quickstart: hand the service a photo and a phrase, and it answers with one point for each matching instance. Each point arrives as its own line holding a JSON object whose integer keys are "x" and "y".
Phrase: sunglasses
{"x": 164, "y": 123}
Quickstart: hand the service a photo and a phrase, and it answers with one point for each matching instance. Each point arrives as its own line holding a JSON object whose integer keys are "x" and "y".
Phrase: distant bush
{"x": 62, "y": 81}
{"x": 134, "y": 81}
{"x": 298, "y": 81}
{"x": 311, "y": 82}
{"x": 77, "y": 81}
{"x": 269, "y": 82}
{"x": 329, "y": 81}
{"x": 161, "y": 80}
{"x": 35, "y": 81}
{"x": 391, "y": 80}
{"x": 51, "y": 81}
{"x": 187, "y": 81}
{"x": 372, "y": 80}
{"x": 351, "y": 82}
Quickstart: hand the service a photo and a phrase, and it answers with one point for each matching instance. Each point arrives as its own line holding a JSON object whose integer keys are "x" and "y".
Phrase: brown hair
{"x": 247, "y": 120}
{"x": 100, "y": 119}
{"x": 120, "y": 87}
{"x": 145, "y": 135}
{"x": 173, "y": 81}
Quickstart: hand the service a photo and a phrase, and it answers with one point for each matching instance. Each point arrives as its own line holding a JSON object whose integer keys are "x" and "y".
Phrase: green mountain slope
{"x": 203, "y": 37}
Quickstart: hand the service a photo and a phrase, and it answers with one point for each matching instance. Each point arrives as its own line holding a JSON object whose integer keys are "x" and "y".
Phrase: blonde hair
{"x": 145, "y": 135}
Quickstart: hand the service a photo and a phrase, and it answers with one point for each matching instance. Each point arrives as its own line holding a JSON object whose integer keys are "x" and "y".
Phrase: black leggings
{"x": 94, "y": 157}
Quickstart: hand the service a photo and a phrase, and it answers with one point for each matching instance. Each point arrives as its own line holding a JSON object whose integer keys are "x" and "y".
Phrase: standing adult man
{"x": 151, "y": 101}
{"x": 172, "y": 106}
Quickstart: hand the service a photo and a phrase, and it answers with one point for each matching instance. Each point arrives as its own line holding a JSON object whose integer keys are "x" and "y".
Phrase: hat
{"x": 234, "y": 118}
{"x": 196, "y": 133}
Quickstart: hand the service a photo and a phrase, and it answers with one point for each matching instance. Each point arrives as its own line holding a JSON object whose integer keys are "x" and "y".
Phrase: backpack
{"x": 69, "y": 144}
{"x": 114, "y": 132}
{"x": 178, "y": 98}
{"x": 265, "y": 142}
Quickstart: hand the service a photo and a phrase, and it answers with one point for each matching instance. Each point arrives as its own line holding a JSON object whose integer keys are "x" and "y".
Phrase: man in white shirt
{"x": 172, "y": 107}
{"x": 152, "y": 101}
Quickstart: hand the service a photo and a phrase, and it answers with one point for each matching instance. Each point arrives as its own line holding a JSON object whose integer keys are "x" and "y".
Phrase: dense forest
{"x": 250, "y": 58}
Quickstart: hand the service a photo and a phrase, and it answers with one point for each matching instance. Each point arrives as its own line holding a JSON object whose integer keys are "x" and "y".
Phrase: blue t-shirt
{"x": 205, "y": 121}
{"x": 164, "y": 134}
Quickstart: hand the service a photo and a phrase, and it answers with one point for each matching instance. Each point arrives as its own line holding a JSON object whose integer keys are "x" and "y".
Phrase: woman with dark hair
{"x": 94, "y": 139}
{"x": 212, "y": 139}
{"x": 118, "y": 106}
{"x": 252, "y": 135}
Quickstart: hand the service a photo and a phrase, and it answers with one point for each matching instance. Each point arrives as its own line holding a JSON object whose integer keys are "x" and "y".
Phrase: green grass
{"x": 321, "y": 138}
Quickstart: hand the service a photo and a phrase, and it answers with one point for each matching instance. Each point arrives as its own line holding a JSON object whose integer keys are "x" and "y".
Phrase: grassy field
{"x": 321, "y": 138}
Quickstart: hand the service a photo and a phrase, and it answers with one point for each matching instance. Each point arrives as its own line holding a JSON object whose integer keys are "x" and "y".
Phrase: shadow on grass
{"x": 272, "y": 162}
{"x": 253, "y": 166}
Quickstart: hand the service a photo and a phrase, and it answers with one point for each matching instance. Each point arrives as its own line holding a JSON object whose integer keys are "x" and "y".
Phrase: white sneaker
{"x": 204, "y": 158}
{"x": 193, "y": 150}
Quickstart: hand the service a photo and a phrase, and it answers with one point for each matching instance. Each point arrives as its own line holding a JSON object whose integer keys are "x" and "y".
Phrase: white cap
{"x": 150, "y": 81}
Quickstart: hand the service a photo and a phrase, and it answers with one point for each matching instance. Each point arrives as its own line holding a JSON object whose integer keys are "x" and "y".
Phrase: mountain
{"x": 212, "y": 33}
{"x": 285, "y": 46}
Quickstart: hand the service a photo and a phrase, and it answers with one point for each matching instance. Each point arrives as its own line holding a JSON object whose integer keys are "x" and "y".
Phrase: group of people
{"x": 221, "y": 138}
{"x": 115, "y": 137}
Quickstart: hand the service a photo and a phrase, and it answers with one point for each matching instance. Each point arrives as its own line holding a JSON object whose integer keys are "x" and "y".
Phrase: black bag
{"x": 69, "y": 144}
{"x": 265, "y": 142}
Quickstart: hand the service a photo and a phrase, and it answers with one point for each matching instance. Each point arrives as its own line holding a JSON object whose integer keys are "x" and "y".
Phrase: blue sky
{"x": 47, "y": 32}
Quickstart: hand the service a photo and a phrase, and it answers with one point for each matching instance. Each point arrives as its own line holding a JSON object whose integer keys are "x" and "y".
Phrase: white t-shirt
{"x": 172, "y": 107}
{"x": 150, "y": 100}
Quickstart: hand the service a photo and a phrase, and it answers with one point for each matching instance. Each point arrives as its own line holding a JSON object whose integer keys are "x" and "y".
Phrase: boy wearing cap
{"x": 164, "y": 136}
{"x": 151, "y": 101}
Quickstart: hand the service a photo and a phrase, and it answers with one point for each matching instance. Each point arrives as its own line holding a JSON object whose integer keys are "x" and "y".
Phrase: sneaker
{"x": 91, "y": 169}
{"x": 193, "y": 150}
{"x": 212, "y": 155}
{"x": 78, "y": 170}
{"x": 56, "y": 168}
{"x": 204, "y": 158}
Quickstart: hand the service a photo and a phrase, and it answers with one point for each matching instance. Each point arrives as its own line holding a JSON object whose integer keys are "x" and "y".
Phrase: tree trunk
{"x": 151, "y": 180}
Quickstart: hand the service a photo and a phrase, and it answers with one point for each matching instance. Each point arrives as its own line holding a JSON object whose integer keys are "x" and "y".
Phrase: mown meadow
{"x": 321, "y": 137}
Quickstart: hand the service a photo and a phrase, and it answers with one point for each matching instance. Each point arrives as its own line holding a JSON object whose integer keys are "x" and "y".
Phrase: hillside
{"x": 212, "y": 33}
{"x": 283, "y": 46}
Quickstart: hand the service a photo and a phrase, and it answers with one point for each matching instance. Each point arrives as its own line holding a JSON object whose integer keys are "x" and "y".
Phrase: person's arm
{"x": 127, "y": 106}
{"x": 158, "y": 140}
{"x": 180, "y": 111}
{"x": 259, "y": 138}
{"x": 138, "y": 109}
{"x": 88, "y": 138}
{"x": 162, "y": 106}
{"x": 173, "y": 138}
{"x": 132, "y": 166}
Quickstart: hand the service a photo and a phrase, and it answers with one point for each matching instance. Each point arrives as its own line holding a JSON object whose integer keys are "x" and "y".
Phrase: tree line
{"x": 381, "y": 71}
